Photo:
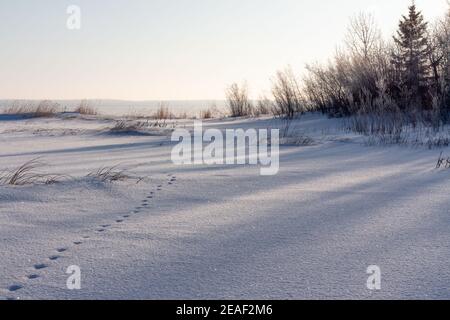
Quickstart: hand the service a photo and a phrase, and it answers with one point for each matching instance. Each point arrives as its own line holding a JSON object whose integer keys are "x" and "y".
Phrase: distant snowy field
{"x": 336, "y": 207}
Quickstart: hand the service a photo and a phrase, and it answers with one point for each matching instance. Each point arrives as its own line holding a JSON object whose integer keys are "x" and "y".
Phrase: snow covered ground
{"x": 212, "y": 232}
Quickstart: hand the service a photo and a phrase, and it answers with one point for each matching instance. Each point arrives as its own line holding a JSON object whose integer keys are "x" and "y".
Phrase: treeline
{"x": 408, "y": 74}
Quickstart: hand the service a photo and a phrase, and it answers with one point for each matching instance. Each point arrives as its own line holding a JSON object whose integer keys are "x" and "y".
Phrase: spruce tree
{"x": 411, "y": 58}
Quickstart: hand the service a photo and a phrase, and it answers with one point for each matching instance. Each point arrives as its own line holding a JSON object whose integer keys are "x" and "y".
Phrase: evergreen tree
{"x": 410, "y": 60}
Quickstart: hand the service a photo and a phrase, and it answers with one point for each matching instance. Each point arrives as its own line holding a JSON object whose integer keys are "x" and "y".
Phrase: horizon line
{"x": 107, "y": 99}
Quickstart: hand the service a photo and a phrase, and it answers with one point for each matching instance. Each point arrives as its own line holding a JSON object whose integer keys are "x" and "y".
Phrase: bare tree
{"x": 287, "y": 94}
{"x": 351, "y": 78}
{"x": 363, "y": 35}
{"x": 238, "y": 100}
{"x": 394, "y": 82}
{"x": 443, "y": 42}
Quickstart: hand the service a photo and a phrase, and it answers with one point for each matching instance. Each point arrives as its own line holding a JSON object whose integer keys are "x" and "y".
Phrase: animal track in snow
{"x": 14, "y": 288}
{"x": 40, "y": 266}
{"x": 144, "y": 204}
{"x": 54, "y": 258}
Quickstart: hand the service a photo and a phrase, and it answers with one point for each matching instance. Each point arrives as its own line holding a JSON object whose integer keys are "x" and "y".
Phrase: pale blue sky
{"x": 171, "y": 49}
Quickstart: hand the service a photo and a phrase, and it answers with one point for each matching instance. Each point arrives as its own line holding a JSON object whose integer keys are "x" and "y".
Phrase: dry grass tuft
{"x": 212, "y": 112}
{"x": 127, "y": 126}
{"x": 163, "y": 113}
{"x": 109, "y": 174}
{"x": 206, "y": 114}
{"x": 27, "y": 174}
{"x": 113, "y": 174}
{"x": 43, "y": 109}
{"x": 85, "y": 109}
{"x": 123, "y": 126}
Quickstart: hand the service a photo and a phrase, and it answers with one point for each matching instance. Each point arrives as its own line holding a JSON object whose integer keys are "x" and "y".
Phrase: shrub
{"x": 286, "y": 91}
{"x": 238, "y": 101}
{"x": 264, "y": 106}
